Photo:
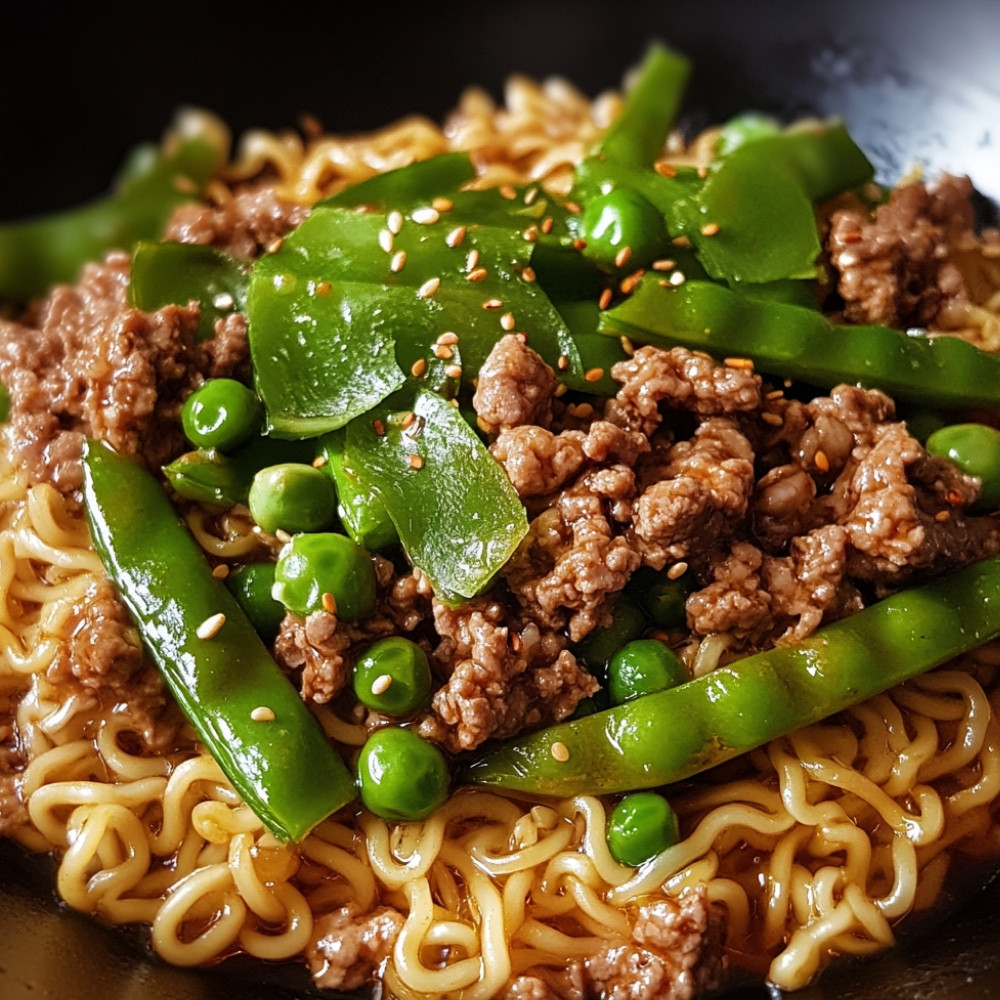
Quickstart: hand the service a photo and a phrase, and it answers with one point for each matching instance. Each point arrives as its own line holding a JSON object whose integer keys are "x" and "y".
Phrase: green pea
{"x": 660, "y": 597}
{"x": 975, "y": 449}
{"x": 312, "y": 565}
{"x": 597, "y": 648}
{"x": 251, "y": 585}
{"x": 643, "y": 666}
{"x": 223, "y": 414}
{"x": 401, "y": 776}
{"x": 622, "y": 219}
{"x": 393, "y": 676}
{"x": 292, "y": 497}
{"x": 641, "y": 826}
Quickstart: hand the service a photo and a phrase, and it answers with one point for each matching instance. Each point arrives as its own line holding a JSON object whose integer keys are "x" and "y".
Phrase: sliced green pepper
{"x": 456, "y": 513}
{"x": 671, "y": 735}
{"x": 39, "y": 253}
{"x": 790, "y": 341}
{"x": 178, "y": 273}
{"x": 244, "y": 708}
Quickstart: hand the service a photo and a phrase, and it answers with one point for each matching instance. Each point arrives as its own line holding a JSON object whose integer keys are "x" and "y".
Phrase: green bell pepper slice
{"x": 668, "y": 736}
{"x": 457, "y": 515}
{"x": 281, "y": 764}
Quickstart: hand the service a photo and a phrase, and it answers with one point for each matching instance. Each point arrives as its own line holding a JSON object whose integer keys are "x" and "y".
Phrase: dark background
{"x": 81, "y": 83}
{"x": 918, "y": 81}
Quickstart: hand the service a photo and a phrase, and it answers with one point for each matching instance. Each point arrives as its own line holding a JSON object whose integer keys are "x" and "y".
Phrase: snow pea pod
{"x": 790, "y": 341}
{"x": 245, "y": 710}
{"x": 38, "y": 253}
{"x": 668, "y": 736}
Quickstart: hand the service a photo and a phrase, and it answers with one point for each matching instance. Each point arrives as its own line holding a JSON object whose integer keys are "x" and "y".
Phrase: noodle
{"x": 817, "y": 843}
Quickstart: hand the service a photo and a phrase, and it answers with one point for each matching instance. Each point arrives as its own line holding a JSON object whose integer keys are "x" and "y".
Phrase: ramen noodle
{"x": 817, "y": 844}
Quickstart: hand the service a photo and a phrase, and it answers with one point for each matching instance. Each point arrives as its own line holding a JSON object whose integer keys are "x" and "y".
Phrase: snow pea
{"x": 39, "y": 253}
{"x": 457, "y": 515}
{"x": 790, "y": 341}
{"x": 671, "y": 735}
{"x": 975, "y": 449}
{"x": 246, "y": 711}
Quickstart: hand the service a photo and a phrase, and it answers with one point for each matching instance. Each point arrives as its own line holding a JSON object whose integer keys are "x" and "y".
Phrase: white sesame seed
{"x": 560, "y": 752}
{"x": 394, "y": 222}
{"x": 508, "y": 322}
{"x": 223, "y": 301}
{"x": 381, "y": 684}
{"x": 398, "y": 261}
{"x": 262, "y": 714}
{"x": 210, "y": 626}
{"x": 428, "y": 288}
{"x": 426, "y": 216}
{"x": 472, "y": 260}
{"x": 677, "y": 278}
{"x": 455, "y": 237}
{"x": 385, "y": 240}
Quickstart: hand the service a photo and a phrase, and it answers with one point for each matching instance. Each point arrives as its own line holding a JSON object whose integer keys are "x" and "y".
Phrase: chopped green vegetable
{"x": 244, "y": 708}
{"x": 665, "y": 737}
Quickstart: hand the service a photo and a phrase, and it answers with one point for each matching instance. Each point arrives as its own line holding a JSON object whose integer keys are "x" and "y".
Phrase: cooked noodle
{"x": 815, "y": 844}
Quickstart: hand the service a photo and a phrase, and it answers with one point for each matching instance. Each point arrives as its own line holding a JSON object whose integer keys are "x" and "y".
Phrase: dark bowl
{"x": 918, "y": 83}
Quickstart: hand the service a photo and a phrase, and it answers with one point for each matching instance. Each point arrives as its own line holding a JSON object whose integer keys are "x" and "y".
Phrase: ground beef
{"x": 347, "y": 948}
{"x": 83, "y": 363}
{"x": 893, "y": 264}
{"x": 514, "y": 387}
{"x": 242, "y": 226}
{"x": 675, "y": 953}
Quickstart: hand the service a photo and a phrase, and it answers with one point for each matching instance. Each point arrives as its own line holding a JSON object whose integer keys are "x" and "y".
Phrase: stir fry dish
{"x": 550, "y": 554}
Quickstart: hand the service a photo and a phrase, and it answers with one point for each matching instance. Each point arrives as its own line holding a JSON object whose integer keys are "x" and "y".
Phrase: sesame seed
{"x": 418, "y": 368}
{"x": 822, "y": 462}
{"x": 472, "y": 260}
{"x": 283, "y": 536}
{"x": 627, "y": 346}
{"x": 478, "y": 274}
{"x": 743, "y": 363}
{"x": 666, "y": 169}
{"x": 594, "y": 375}
{"x": 664, "y": 264}
{"x": 442, "y": 204}
{"x": 507, "y": 321}
{"x": 329, "y": 602}
{"x": 385, "y": 240}
{"x": 530, "y": 234}
{"x": 220, "y": 572}
{"x": 275, "y": 245}
{"x": 408, "y": 419}
{"x": 775, "y": 394}
{"x": 563, "y": 363}
{"x": 547, "y": 224}
{"x": 453, "y": 371}
{"x": 448, "y": 337}
{"x": 443, "y": 351}
{"x": 582, "y": 411}
{"x": 774, "y": 419}
{"x": 381, "y": 684}
{"x": 561, "y": 390}
{"x": 954, "y": 497}
{"x": 627, "y": 284}
{"x": 210, "y": 626}
{"x": 516, "y": 642}
{"x": 416, "y": 462}
{"x": 530, "y": 195}
{"x": 508, "y": 191}
{"x": 623, "y": 256}
{"x": 262, "y": 714}
{"x": 942, "y": 515}
{"x": 378, "y": 427}
{"x": 426, "y": 216}
{"x": 605, "y": 300}
{"x": 572, "y": 206}
{"x": 455, "y": 237}
{"x": 223, "y": 301}
{"x": 323, "y": 288}
{"x": 677, "y": 279}
{"x": 493, "y": 304}
{"x": 560, "y": 752}
{"x": 579, "y": 244}
{"x": 677, "y": 570}
{"x": 528, "y": 274}
{"x": 681, "y": 241}
{"x": 710, "y": 229}
{"x": 398, "y": 261}
{"x": 319, "y": 461}
{"x": 428, "y": 288}
{"x": 394, "y": 222}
